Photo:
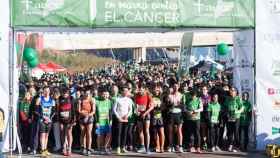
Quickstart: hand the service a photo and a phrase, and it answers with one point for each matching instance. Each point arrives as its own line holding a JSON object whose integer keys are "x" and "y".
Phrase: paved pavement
{"x": 166, "y": 155}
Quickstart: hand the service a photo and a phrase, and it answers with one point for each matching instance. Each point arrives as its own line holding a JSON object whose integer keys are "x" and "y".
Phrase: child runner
{"x": 104, "y": 121}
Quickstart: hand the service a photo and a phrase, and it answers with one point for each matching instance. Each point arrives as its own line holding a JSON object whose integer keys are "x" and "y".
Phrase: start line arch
{"x": 152, "y": 16}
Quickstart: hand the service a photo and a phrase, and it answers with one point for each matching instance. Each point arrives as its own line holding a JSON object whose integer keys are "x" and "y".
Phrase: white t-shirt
{"x": 123, "y": 107}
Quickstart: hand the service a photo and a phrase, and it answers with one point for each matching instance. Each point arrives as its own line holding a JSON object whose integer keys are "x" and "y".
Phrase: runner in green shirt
{"x": 104, "y": 121}
{"x": 234, "y": 108}
{"x": 245, "y": 119}
{"x": 193, "y": 109}
{"x": 214, "y": 109}
{"x": 25, "y": 121}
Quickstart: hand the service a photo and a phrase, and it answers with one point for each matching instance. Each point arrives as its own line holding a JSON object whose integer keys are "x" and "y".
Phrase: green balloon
{"x": 29, "y": 54}
{"x": 33, "y": 63}
{"x": 223, "y": 49}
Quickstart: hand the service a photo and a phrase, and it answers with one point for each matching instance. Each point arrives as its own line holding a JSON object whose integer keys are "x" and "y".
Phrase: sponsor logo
{"x": 273, "y": 91}
{"x": 275, "y": 130}
{"x": 275, "y": 118}
{"x": 42, "y": 8}
{"x": 276, "y": 104}
{"x": 275, "y": 67}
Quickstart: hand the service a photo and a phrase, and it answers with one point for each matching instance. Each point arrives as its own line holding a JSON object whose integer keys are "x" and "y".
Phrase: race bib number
{"x": 65, "y": 114}
{"x": 157, "y": 102}
{"x": 104, "y": 116}
{"x": 46, "y": 112}
{"x": 158, "y": 115}
{"x": 214, "y": 119}
{"x": 194, "y": 116}
{"x": 141, "y": 108}
{"x": 176, "y": 110}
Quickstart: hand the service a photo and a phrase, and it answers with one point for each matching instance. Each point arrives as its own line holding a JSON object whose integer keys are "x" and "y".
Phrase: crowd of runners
{"x": 129, "y": 108}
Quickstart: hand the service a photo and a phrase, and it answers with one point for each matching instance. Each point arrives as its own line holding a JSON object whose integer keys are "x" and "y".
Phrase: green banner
{"x": 51, "y": 13}
{"x": 134, "y": 13}
{"x": 175, "y": 13}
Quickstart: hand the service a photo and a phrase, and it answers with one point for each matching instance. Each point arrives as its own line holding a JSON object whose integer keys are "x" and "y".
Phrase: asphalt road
{"x": 165, "y": 155}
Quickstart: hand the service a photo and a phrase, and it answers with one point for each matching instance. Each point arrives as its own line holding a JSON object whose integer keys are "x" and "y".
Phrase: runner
{"x": 234, "y": 107}
{"x": 186, "y": 97}
{"x": 144, "y": 106}
{"x": 25, "y": 121}
{"x": 104, "y": 121}
{"x": 86, "y": 110}
{"x": 157, "y": 121}
{"x": 245, "y": 120}
{"x": 175, "y": 119}
{"x": 55, "y": 120}
{"x": 67, "y": 119}
{"x": 114, "y": 95}
{"x": 35, "y": 125}
{"x": 214, "y": 109}
{"x": 193, "y": 109}
{"x": 122, "y": 110}
{"x": 46, "y": 113}
{"x": 132, "y": 121}
{"x": 204, "y": 119}
{"x": 76, "y": 126}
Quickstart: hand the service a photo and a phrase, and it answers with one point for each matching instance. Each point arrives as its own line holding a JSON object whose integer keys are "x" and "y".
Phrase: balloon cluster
{"x": 31, "y": 57}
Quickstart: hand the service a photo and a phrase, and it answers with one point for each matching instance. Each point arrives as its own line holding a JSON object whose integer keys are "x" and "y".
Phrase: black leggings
{"x": 215, "y": 134}
{"x": 131, "y": 135}
{"x": 233, "y": 133}
{"x": 25, "y": 135}
{"x": 35, "y": 135}
{"x": 194, "y": 129}
{"x": 122, "y": 133}
{"x": 245, "y": 129}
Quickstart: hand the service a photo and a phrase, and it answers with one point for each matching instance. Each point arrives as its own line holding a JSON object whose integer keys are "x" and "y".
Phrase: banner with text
{"x": 52, "y": 12}
{"x": 134, "y": 13}
{"x": 243, "y": 67}
{"x": 268, "y": 72}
